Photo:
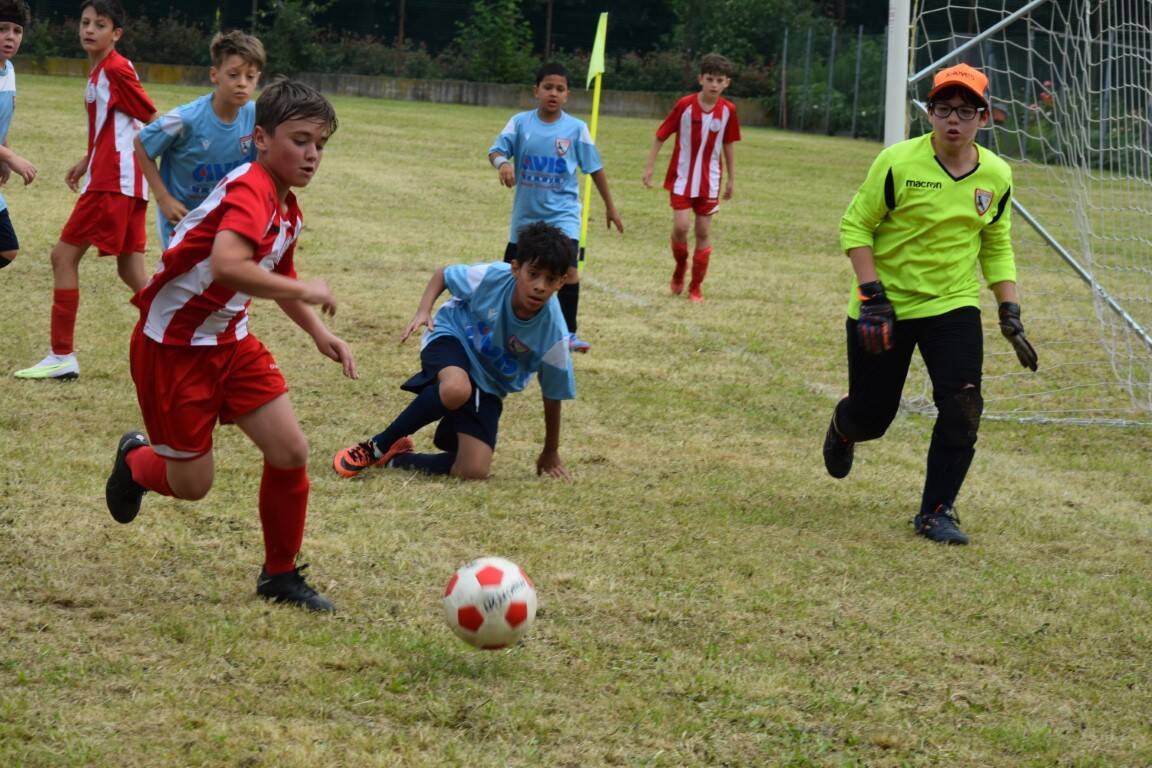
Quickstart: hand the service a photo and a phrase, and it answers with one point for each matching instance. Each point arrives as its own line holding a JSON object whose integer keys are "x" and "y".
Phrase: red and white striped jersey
{"x": 182, "y": 304}
{"x": 117, "y": 109}
{"x": 694, "y": 170}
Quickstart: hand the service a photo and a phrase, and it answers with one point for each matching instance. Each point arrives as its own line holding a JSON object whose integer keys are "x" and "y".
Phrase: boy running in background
{"x": 13, "y": 20}
{"x": 200, "y": 142}
{"x": 706, "y": 127}
{"x": 538, "y": 153}
{"x": 114, "y": 196}
{"x": 501, "y": 328}
{"x": 193, "y": 359}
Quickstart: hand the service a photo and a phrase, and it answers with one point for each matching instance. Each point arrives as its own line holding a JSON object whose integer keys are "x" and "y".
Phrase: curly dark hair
{"x": 545, "y": 247}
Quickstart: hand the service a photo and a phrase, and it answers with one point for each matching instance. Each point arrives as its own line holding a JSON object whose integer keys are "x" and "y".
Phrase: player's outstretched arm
{"x": 651, "y": 163}
{"x": 423, "y": 316}
{"x": 329, "y": 344}
{"x": 173, "y": 209}
{"x": 17, "y": 164}
{"x": 601, "y": 182}
{"x": 549, "y": 463}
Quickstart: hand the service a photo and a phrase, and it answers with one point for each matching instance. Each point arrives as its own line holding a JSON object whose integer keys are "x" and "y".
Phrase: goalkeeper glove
{"x": 877, "y": 318}
{"x": 1013, "y": 330}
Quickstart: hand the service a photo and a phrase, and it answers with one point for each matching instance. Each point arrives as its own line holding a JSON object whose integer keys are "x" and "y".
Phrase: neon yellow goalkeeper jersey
{"x": 928, "y": 229}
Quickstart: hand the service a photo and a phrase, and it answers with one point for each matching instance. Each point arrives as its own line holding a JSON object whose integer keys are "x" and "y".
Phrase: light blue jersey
{"x": 505, "y": 351}
{"x": 546, "y": 156}
{"x": 7, "y": 106}
{"x": 196, "y": 150}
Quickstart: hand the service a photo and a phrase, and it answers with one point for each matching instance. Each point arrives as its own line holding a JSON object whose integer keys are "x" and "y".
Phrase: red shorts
{"x": 703, "y": 206}
{"x": 183, "y": 391}
{"x": 112, "y": 222}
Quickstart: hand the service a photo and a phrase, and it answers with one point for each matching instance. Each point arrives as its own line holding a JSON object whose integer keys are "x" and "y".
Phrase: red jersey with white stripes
{"x": 182, "y": 304}
{"x": 694, "y": 170}
{"x": 117, "y": 109}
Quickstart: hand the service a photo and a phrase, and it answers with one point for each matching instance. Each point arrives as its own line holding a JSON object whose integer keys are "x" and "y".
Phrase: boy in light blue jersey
{"x": 501, "y": 328}
{"x": 13, "y": 19}
{"x": 538, "y": 153}
{"x": 200, "y": 142}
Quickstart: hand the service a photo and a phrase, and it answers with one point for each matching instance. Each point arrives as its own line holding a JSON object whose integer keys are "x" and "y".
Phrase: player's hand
{"x": 1013, "y": 330}
{"x": 614, "y": 218}
{"x": 317, "y": 292}
{"x": 23, "y": 169}
{"x": 507, "y": 174}
{"x": 173, "y": 209}
{"x": 75, "y": 175}
{"x": 5, "y": 173}
{"x": 728, "y": 187}
{"x": 875, "y": 327}
{"x": 421, "y": 318}
{"x": 647, "y": 178}
{"x": 548, "y": 463}
{"x": 337, "y": 349}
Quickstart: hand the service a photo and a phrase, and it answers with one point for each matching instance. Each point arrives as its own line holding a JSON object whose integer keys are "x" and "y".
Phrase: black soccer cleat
{"x": 940, "y": 525}
{"x": 838, "y": 452}
{"x": 291, "y": 589}
{"x": 121, "y": 492}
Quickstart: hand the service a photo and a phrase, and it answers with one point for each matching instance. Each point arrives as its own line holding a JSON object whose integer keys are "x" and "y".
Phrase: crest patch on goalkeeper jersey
{"x": 983, "y": 201}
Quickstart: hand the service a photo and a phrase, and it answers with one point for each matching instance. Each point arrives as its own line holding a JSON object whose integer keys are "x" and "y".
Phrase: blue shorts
{"x": 8, "y": 241}
{"x": 479, "y": 417}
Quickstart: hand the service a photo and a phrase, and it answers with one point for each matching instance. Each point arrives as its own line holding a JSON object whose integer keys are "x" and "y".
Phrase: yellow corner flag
{"x": 595, "y": 73}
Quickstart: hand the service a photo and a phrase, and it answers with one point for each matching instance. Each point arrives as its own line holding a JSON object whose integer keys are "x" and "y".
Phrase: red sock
{"x": 700, "y": 266}
{"x": 150, "y": 470}
{"x": 680, "y": 253}
{"x": 283, "y": 507}
{"x": 65, "y": 303}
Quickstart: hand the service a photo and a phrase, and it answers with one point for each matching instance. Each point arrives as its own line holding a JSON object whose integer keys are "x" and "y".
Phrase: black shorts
{"x": 573, "y": 263}
{"x": 8, "y": 241}
{"x": 479, "y": 417}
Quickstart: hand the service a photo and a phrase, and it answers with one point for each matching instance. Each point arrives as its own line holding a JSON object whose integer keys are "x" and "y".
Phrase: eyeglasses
{"x": 964, "y": 111}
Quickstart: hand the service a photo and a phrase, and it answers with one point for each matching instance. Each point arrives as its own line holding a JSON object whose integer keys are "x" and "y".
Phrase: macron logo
{"x": 918, "y": 184}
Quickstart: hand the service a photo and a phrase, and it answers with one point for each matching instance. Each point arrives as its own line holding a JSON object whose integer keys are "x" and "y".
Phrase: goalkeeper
{"x": 929, "y": 210}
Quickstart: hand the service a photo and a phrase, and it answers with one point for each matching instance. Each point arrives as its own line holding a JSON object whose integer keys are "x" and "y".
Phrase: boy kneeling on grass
{"x": 502, "y": 326}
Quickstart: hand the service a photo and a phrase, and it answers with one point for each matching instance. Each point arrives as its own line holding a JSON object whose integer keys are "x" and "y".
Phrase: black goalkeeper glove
{"x": 877, "y": 318}
{"x": 1013, "y": 330}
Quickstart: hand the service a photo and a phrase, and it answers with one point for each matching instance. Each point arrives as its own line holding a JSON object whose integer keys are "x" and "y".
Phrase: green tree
{"x": 288, "y": 31}
{"x": 497, "y": 42}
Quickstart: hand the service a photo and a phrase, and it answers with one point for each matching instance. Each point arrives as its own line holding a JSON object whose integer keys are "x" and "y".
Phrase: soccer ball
{"x": 490, "y": 602}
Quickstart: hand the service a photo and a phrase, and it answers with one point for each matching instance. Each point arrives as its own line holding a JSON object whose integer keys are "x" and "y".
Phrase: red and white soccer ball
{"x": 490, "y": 602}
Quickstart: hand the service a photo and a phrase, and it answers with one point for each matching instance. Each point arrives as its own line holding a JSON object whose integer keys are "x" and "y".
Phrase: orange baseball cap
{"x": 964, "y": 76}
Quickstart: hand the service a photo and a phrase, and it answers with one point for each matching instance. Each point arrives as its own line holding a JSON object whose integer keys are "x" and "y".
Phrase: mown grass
{"x": 708, "y": 595}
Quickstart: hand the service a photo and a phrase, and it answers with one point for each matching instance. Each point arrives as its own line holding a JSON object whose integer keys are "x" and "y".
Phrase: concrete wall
{"x": 621, "y": 103}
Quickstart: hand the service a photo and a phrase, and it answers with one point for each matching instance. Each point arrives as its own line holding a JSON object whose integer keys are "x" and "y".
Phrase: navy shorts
{"x": 479, "y": 417}
{"x": 8, "y": 241}
{"x": 573, "y": 262}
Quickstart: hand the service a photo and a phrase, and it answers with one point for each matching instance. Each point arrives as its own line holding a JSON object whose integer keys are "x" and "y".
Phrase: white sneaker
{"x": 52, "y": 367}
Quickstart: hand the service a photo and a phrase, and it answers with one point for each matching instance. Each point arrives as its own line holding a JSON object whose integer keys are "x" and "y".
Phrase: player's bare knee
{"x": 470, "y": 471}
{"x": 190, "y": 488}
{"x": 455, "y": 391}
{"x": 288, "y": 453}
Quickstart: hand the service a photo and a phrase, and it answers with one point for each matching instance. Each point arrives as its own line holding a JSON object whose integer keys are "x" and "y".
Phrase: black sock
{"x": 4, "y": 262}
{"x": 428, "y": 463}
{"x": 947, "y": 468}
{"x": 569, "y": 297}
{"x": 424, "y": 410}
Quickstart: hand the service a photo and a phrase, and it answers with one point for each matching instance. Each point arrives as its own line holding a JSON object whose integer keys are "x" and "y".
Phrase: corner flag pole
{"x": 595, "y": 73}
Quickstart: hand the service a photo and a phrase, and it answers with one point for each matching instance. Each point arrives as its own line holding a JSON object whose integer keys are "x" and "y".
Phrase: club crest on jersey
{"x": 205, "y": 143}
{"x": 517, "y": 347}
{"x": 246, "y": 144}
{"x": 983, "y": 201}
{"x": 562, "y": 146}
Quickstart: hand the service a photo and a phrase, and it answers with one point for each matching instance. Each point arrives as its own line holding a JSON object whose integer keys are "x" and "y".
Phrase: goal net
{"x": 1071, "y": 90}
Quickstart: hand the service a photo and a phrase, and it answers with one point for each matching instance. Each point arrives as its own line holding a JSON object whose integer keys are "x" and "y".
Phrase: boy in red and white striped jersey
{"x": 706, "y": 126}
{"x": 194, "y": 360}
{"x": 113, "y": 193}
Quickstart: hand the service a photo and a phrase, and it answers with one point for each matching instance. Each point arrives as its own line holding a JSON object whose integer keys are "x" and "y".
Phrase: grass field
{"x": 708, "y": 595}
